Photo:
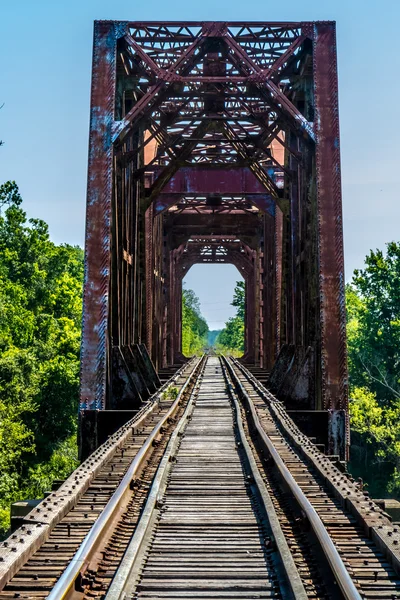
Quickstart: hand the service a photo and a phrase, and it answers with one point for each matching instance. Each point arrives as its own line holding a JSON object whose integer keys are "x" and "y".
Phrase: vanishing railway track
{"x": 214, "y": 494}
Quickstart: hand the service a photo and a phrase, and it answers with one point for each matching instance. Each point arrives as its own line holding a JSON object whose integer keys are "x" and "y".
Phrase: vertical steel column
{"x": 330, "y": 233}
{"x": 149, "y": 265}
{"x": 165, "y": 297}
{"x": 278, "y": 276}
{"x": 251, "y": 314}
{"x": 177, "y": 309}
{"x": 179, "y": 284}
{"x": 286, "y": 285}
{"x": 95, "y": 335}
{"x": 293, "y": 303}
{"x": 172, "y": 307}
{"x": 246, "y": 318}
{"x": 260, "y": 265}
{"x": 157, "y": 292}
{"x": 269, "y": 291}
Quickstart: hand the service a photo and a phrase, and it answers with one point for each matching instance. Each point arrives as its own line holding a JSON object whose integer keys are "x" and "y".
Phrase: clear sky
{"x": 45, "y": 63}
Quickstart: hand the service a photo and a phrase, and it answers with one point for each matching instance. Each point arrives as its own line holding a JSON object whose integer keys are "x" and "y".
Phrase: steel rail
{"x": 297, "y": 590}
{"x": 130, "y": 565}
{"x": 338, "y": 567}
{"x": 67, "y": 580}
{"x": 126, "y": 578}
{"x": 81, "y": 479}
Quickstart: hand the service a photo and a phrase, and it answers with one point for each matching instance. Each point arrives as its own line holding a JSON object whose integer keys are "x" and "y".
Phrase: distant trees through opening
{"x": 231, "y": 338}
{"x": 215, "y": 293}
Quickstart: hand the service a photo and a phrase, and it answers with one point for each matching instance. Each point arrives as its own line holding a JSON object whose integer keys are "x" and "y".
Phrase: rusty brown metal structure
{"x": 215, "y": 142}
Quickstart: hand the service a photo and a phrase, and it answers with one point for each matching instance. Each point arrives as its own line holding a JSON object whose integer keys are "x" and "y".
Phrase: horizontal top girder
{"x": 228, "y": 23}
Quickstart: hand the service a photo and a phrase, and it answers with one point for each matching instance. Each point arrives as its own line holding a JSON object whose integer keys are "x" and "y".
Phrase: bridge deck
{"x": 209, "y": 541}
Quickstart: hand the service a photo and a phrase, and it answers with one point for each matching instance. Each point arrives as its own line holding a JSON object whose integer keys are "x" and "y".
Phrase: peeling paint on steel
{"x": 330, "y": 238}
{"x": 97, "y": 247}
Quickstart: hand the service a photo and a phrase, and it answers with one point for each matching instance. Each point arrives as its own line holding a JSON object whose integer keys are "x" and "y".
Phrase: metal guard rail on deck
{"x": 339, "y": 570}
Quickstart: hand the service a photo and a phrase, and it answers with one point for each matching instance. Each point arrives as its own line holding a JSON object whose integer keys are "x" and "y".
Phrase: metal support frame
{"x": 215, "y": 129}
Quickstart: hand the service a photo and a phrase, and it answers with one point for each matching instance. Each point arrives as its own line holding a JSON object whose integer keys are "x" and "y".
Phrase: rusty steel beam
{"x": 198, "y": 180}
{"x": 269, "y": 292}
{"x": 330, "y": 224}
{"x": 98, "y": 217}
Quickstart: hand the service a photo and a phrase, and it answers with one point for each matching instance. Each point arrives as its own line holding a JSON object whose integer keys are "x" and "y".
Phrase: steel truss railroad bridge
{"x": 210, "y": 477}
{"x": 215, "y": 142}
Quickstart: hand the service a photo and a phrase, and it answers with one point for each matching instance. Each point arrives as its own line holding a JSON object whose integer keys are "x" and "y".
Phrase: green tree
{"x": 373, "y": 333}
{"x": 40, "y": 318}
{"x": 373, "y": 304}
{"x": 239, "y": 298}
{"x": 213, "y": 336}
{"x": 375, "y": 450}
{"x": 194, "y": 326}
{"x": 231, "y": 338}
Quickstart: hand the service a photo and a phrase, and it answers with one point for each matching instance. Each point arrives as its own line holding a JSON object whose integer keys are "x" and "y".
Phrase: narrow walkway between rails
{"x": 208, "y": 542}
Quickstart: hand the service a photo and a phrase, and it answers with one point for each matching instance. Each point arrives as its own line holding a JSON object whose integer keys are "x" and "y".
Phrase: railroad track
{"x": 115, "y": 477}
{"x": 208, "y": 534}
{"x": 357, "y": 528}
{"x": 215, "y": 494}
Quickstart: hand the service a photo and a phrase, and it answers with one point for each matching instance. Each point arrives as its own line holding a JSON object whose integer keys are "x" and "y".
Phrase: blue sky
{"x": 45, "y": 63}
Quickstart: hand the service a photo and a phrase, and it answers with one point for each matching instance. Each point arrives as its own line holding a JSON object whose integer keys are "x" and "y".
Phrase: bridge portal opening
{"x": 216, "y": 284}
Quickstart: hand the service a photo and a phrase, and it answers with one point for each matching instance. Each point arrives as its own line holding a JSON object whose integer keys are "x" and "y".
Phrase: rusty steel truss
{"x": 216, "y": 142}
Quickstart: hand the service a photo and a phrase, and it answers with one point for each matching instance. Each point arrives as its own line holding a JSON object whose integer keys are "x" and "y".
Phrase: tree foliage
{"x": 194, "y": 326}
{"x": 40, "y": 320}
{"x": 213, "y": 336}
{"x": 231, "y": 338}
{"x": 373, "y": 331}
{"x": 374, "y": 323}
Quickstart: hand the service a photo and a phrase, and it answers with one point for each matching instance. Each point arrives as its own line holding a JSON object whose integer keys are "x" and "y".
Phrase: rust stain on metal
{"x": 98, "y": 218}
{"x": 330, "y": 228}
